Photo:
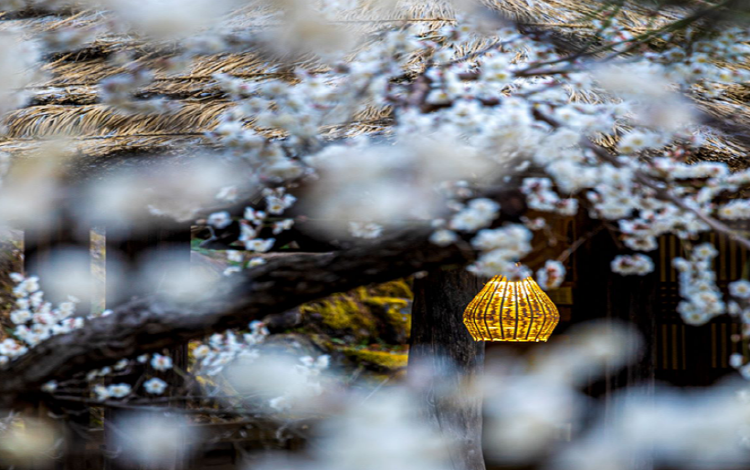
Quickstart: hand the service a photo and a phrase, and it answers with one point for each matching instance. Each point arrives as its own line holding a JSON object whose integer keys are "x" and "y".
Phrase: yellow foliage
{"x": 382, "y": 359}
{"x": 400, "y": 288}
{"x": 341, "y": 311}
{"x": 353, "y": 310}
{"x": 394, "y": 307}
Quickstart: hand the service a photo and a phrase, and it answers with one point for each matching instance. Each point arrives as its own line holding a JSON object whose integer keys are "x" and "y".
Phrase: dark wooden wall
{"x": 689, "y": 355}
{"x": 674, "y": 352}
{"x": 127, "y": 249}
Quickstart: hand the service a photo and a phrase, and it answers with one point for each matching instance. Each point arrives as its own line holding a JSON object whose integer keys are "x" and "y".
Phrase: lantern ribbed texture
{"x": 511, "y": 311}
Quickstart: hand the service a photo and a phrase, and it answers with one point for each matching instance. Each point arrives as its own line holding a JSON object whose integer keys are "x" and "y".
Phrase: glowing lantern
{"x": 511, "y": 311}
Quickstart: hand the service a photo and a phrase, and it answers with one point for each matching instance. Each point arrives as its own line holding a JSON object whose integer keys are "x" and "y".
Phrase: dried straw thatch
{"x": 66, "y": 102}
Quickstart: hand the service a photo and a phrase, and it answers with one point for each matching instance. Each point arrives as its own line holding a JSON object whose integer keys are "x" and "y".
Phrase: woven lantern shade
{"x": 511, "y": 311}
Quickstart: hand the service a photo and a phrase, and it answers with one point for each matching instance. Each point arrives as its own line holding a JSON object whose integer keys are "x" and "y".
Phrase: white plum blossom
{"x": 511, "y": 237}
{"x": 259, "y": 245}
{"x": 735, "y": 210}
{"x": 36, "y": 320}
{"x": 541, "y": 197}
{"x": 118, "y": 390}
{"x": 220, "y": 219}
{"x": 102, "y": 392}
{"x": 201, "y": 351}
{"x": 161, "y": 362}
{"x": 702, "y": 299}
{"x": 551, "y": 275}
{"x": 277, "y": 201}
{"x": 316, "y": 365}
{"x": 231, "y": 270}
{"x": 632, "y": 265}
{"x": 740, "y": 289}
{"x": 501, "y": 249}
{"x": 283, "y": 225}
{"x": 477, "y": 214}
{"x": 155, "y": 386}
{"x": 255, "y": 262}
{"x": 20, "y": 316}
{"x": 235, "y": 256}
{"x": 635, "y": 141}
{"x": 253, "y": 215}
{"x": 222, "y": 349}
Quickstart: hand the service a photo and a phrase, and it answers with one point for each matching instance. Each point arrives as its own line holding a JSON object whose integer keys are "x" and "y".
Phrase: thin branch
{"x": 662, "y": 192}
{"x": 580, "y": 241}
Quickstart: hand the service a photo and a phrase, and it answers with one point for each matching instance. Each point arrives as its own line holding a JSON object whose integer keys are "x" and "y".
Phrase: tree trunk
{"x": 442, "y": 348}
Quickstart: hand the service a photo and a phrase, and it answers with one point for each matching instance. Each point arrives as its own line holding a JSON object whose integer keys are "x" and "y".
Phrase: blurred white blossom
{"x": 153, "y": 440}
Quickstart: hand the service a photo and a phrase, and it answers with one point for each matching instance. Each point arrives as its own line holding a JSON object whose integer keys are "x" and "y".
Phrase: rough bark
{"x": 152, "y": 323}
{"x": 441, "y": 344}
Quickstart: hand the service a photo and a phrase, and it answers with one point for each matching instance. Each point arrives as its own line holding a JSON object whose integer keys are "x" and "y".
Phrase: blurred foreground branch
{"x": 152, "y": 323}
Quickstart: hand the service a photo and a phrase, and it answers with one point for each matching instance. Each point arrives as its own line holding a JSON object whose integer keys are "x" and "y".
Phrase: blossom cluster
{"x": 551, "y": 275}
{"x": 702, "y": 299}
{"x": 105, "y": 392}
{"x": 253, "y": 221}
{"x": 707, "y": 60}
{"x": 515, "y": 111}
{"x": 222, "y": 348}
{"x": 34, "y": 319}
{"x": 238, "y": 262}
{"x": 636, "y": 264}
{"x": 501, "y": 249}
{"x": 541, "y": 197}
{"x": 153, "y": 386}
{"x": 309, "y": 369}
{"x": 508, "y": 114}
{"x": 739, "y": 306}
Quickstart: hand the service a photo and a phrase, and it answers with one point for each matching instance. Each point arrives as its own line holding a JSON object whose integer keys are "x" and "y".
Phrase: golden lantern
{"x": 511, "y": 311}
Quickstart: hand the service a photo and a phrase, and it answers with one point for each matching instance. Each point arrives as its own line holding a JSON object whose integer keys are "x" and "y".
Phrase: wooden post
{"x": 39, "y": 246}
{"x": 441, "y": 343}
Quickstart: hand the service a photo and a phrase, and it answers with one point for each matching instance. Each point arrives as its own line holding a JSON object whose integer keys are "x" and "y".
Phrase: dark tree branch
{"x": 153, "y": 323}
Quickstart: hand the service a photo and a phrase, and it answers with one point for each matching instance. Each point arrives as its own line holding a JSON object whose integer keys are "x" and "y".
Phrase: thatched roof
{"x": 66, "y": 101}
